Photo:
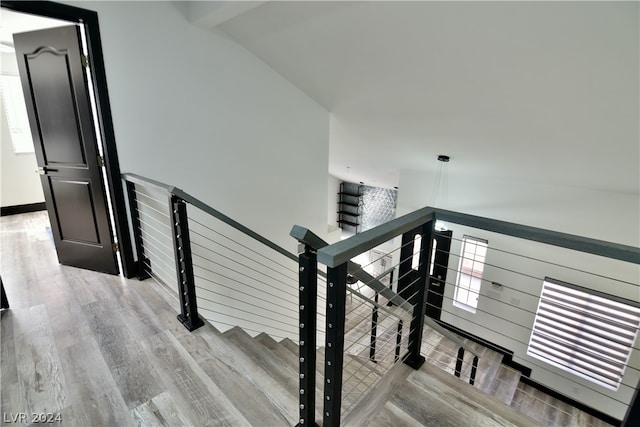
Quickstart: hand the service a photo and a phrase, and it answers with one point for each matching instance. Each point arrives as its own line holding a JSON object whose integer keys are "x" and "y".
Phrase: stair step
{"x": 245, "y": 381}
{"x": 265, "y": 358}
{"x": 377, "y": 397}
{"x": 290, "y": 345}
{"x": 433, "y": 397}
{"x": 505, "y": 384}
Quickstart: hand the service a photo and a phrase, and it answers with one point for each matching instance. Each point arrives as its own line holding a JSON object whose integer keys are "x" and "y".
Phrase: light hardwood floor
{"x": 100, "y": 350}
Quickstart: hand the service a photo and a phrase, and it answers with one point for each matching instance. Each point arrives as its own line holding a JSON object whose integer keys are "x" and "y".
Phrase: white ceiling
{"x": 533, "y": 91}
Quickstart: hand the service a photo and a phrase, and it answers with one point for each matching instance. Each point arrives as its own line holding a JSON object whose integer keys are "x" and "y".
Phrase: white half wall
{"x": 194, "y": 109}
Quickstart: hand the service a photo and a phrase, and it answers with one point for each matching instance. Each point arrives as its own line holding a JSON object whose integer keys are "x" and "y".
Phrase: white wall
{"x": 586, "y": 212}
{"x": 20, "y": 185}
{"x": 505, "y": 315}
{"x": 194, "y": 109}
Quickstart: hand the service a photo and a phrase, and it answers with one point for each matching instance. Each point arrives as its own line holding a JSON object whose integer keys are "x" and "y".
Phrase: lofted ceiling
{"x": 533, "y": 91}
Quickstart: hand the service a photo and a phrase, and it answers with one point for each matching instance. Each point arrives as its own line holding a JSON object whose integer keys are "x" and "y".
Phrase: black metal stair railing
{"x": 223, "y": 271}
{"x": 368, "y": 336}
{"x": 514, "y": 300}
{"x": 231, "y": 276}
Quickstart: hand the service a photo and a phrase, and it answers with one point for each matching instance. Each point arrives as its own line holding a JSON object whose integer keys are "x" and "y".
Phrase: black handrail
{"x": 346, "y": 249}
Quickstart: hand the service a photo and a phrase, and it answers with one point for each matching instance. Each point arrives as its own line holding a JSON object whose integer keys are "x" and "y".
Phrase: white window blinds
{"x": 584, "y": 333}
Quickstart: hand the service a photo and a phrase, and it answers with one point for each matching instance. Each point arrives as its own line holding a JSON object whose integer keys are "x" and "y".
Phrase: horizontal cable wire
{"x": 168, "y": 234}
{"x": 148, "y": 196}
{"x": 155, "y": 277}
{"x": 241, "y": 292}
{"x": 241, "y": 255}
{"x": 508, "y": 320}
{"x": 158, "y": 258}
{"x": 558, "y": 265}
{"x": 159, "y": 255}
{"x": 529, "y": 276}
{"x": 488, "y": 297}
{"x": 164, "y": 214}
{"x": 295, "y": 319}
{"x": 534, "y": 296}
{"x": 294, "y": 282}
{"x": 144, "y": 234}
{"x": 240, "y": 244}
{"x": 241, "y": 274}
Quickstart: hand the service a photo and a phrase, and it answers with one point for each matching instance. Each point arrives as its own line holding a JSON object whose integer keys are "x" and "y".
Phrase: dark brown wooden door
{"x": 56, "y": 93}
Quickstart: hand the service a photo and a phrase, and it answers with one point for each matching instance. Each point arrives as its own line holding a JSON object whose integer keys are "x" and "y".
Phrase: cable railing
{"x": 559, "y": 308}
{"x": 224, "y": 272}
{"x": 370, "y": 328}
{"x": 363, "y": 317}
{"x": 509, "y": 293}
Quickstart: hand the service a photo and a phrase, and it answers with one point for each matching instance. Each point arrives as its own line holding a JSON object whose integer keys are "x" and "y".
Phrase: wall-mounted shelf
{"x": 349, "y": 206}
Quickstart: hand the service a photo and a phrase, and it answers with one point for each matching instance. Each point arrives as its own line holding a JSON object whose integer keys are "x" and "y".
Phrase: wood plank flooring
{"x": 101, "y": 350}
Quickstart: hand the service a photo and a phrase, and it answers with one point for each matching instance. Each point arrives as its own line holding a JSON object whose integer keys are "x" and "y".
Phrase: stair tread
{"x": 260, "y": 386}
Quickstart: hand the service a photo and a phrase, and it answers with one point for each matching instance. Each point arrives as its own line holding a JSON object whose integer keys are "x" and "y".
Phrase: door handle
{"x": 44, "y": 170}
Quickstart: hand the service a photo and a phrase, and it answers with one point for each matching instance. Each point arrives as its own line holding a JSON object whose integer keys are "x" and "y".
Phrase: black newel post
{"x": 184, "y": 266}
{"x": 415, "y": 359}
{"x": 144, "y": 264}
{"x": 308, "y": 297}
{"x": 334, "y": 352}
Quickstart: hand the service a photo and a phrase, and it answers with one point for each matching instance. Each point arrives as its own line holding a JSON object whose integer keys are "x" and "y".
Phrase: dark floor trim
{"x": 589, "y": 410}
{"x": 20, "y": 209}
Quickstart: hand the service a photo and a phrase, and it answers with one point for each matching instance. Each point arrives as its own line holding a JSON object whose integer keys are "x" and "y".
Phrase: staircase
{"x": 254, "y": 381}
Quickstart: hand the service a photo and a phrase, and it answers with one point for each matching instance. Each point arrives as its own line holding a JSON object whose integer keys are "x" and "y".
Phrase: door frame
{"x": 89, "y": 19}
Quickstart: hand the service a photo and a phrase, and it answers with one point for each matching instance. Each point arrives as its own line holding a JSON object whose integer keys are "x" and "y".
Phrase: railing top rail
{"x": 344, "y": 250}
{"x": 569, "y": 241}
{"x": 137, "y": 179}
{"x": 340, "y": 252}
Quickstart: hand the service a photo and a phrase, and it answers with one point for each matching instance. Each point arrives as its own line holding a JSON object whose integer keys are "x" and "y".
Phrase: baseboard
{"x": 589, "y": 410}
{"x": 20, "y": 209}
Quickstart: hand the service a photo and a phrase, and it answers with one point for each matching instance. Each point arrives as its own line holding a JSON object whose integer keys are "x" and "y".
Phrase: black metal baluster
{"x": 334, "y": 353}
{"x": 143, "y": 262}
{"x": 184, "y": 266}
{"x": 415, "y": 359}
{"x": 374, "y": 330}
{"x": 398, "y": 341}
{"x": 474, "y": 370}
{"x": 459, "y": 362}
{"x": 308, "y": 293}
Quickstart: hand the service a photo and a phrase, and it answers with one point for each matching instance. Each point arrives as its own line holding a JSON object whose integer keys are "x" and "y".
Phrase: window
{"x": 583, "y": 332}
{"x": 470, "y": 268}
